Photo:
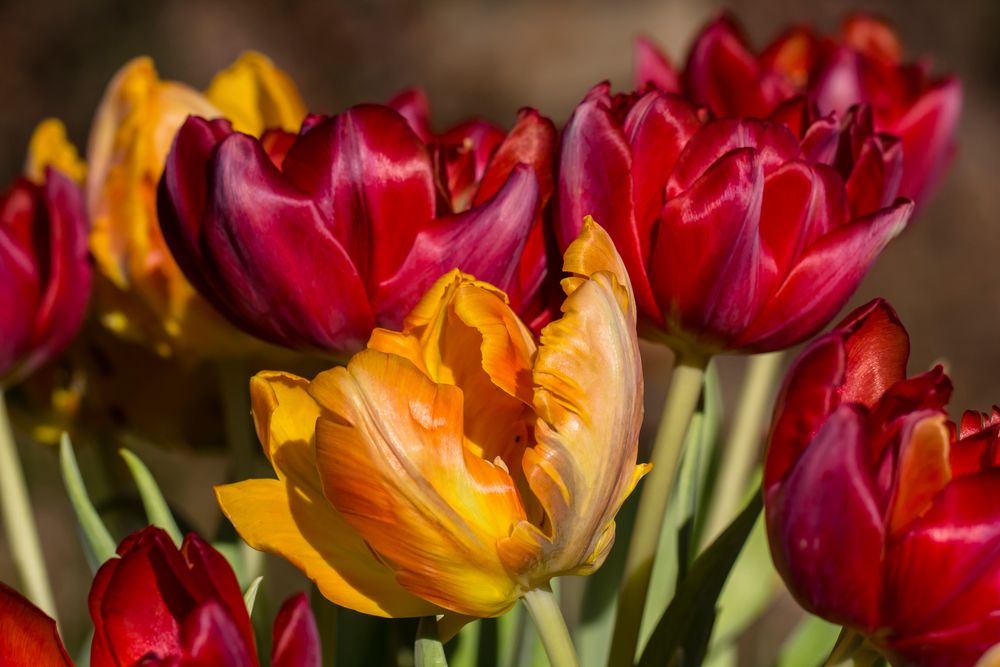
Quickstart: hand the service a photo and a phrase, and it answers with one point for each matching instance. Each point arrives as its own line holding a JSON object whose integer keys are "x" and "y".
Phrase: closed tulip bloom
{"x": 472, "y": 161}
{"x": 311, "y": 242}
{"x": 739, "y": 234}
{"x": 143, "y": 295}
{"x": 44, "y": 274}
{"x": 882, "y": 515}
{"x": 863, "y": 64}
{"x": 455, "y": 465}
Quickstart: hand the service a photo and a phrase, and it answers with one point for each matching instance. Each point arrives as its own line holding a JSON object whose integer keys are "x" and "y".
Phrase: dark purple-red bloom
{"x": 312, "y": 241}
{"x": 863, "y": 64}
{"x": 739, "y": 234}
{"x": 883, "y": 516}
{"x": 44, "y": 274}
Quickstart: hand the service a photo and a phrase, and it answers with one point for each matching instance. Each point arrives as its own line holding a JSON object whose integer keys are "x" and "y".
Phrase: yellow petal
{"x": 49, "y": 147}
{"x": 391, "y": 454}
{"x": 291, "y": 517}
{"x": 923, "y": 471}
{"x": 256, "y": 95}
{"x": 588, "y": 398}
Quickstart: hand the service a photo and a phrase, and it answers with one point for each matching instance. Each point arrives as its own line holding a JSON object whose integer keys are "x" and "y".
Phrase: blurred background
{"x": 488, "y": 58}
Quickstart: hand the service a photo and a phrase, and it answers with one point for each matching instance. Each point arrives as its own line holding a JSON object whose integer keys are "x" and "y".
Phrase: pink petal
{"x": 651, "y": 66}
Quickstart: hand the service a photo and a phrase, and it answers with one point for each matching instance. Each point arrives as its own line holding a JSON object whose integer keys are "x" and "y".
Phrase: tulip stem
{"x": 743, "y": 444}
{"x": 851, "y": 650}
{"x": 543, "y": 606}
{"x": 686, "y": 384}
{"x": 19, "y": 520}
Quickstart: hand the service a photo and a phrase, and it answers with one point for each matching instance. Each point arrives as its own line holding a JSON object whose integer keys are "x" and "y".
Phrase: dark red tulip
{"x": 27, "y": 635}
{"x": 882, "y": 515}
{"x": 44, "y": 274}
{"x": 739, "y": 234}
{"x": 863, "y": 64}
{"x": 313, "y": 242}
{"x": 157, "y": 605}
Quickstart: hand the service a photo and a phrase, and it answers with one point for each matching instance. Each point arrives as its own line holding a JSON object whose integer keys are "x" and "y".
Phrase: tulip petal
{"x": 291, "y": 517}
{"x": 390, "y": 451}
{"x": 706, "y": 255}
{"x": 27, "y": 635}
{"x": 651, "y": 66}
{"x": 18, "y": 271}
{"x": 927, "y": 132}
{"x": 255, "y": 95}
{"x": 595, "y": 180}
{"x": 823, "y": 279}
{"x": 583, "y": 464}
{"x": 922, "y": 470}
{"x": 276, "y": 259}
{"x": 462, "y": 158}
{"x": 209, "y": 637}
{"x": 296, "y": 638}
{"x": 484, "y": 241}
{"x": 372, "y": 178}
{"x": 412, "y": 104}
{"x": 825, "y": 525}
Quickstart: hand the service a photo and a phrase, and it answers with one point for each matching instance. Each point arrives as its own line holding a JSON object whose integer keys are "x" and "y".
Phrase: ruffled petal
{"x": 27, "y": 635}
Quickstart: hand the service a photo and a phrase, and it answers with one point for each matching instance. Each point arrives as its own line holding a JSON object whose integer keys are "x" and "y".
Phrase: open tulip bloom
{"x": 882, "y": 515}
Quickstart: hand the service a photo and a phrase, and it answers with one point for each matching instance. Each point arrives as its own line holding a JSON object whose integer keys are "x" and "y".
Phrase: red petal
{"x": 210, "y": 639}
{"x": 825, "y": 526}
{"x": 837, "y": 87}
{"x": 19, "y": 271}
{"x": 412, "y": 104}
{"x": 372, "y": 179}
{"x": 706, "y": 256}
{"x": 823, "y": 280}
{"x": 928, "y": 133}
{"x": 651, "y": 66}
{"x": 27, "y": 635}
{"x": 296, "y": 641}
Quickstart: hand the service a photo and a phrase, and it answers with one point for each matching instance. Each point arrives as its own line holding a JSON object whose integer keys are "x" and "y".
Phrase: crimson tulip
{"x": 739, "y": 234}
{"x": 312, "y": 241}
{"x": 863, "y": 64}
{"x": 44, "y": 274}
{"x": 883, "y": 516}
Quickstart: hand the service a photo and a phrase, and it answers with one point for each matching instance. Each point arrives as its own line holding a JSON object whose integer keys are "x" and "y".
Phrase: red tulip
{"x": 44, "y": 275}
{"x": 313, "y": 242}
{"x": 159, "y": 605}
{"x": 738, "y": 234}
{"x": 861, "y": 65}
{"x": 883, "y": 516}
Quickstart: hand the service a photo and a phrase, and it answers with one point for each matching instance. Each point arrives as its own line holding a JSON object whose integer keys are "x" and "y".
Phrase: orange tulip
{"x": 456, "y": 465}
{"x": 144, "y": 296}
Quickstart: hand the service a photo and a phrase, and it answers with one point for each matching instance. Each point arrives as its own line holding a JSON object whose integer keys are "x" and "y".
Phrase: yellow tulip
{"x": 456, "y": 465}
{"x": 145, "y": 296}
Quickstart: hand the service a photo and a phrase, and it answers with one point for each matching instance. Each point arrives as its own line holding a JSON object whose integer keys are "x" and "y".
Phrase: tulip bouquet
{"x": 437, "y": 335}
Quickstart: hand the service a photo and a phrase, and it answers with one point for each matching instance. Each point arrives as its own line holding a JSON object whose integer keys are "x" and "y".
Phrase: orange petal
{"x": 392, "y": 457}
{"x": 291, "y": 517}
{"x": 922, "y": 472}
{"x": 588, "y": 398}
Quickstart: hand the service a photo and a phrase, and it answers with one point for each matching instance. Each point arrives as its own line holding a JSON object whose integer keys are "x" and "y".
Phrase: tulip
{"x": 861, "y": 65}
{"x": 740, "y": 235}
{"x": 160, "y": 605}
{"x": 454, "y": 465}
{"x": 44, "y": 275}
{"x": 311, "y": 242}
{"x": 143, "y": 295}
{"x": 882, "y": 515}
{"x": 473, "y": 159}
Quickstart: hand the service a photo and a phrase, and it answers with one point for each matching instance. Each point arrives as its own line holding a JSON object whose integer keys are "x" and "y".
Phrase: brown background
{"x": 489, "y": 58}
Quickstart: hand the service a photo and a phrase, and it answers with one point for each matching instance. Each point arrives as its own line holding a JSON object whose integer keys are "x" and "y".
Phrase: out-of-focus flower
{"x": 472, "y": 160}
{"x": 455, "y": 465}
{"x": 738, "y": 234}
{"x": 157, "y": 605}
{"x": 44, "y": 275}
{"x": 863, "y": 64}
{"x": 312, "y": 241}
{"x": 883, "y": 516}
{"x": 143, "y": 295}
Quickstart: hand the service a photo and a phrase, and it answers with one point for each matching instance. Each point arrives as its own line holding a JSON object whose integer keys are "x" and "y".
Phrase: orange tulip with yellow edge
{"x": 456, "y": 465}
{"x": 144, "y": 295}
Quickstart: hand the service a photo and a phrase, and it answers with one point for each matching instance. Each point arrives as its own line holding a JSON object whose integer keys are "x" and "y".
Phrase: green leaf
{"x": 157, "y": 511}
{"x": 250, "y": 596}
{"x": 98, "y": 545}
{"x": 428, "y": 651}
{"x": 682, "y": 633}
{"x": 809, "y": 644}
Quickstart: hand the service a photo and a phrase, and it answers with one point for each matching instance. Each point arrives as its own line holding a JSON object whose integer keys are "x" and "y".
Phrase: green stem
{"x": 19, "y": 520}
{"x": 742, "y": 449}
{"x": 682, "y": 399}
{"x": 851, "y": 650}
{"x": 543, "y": 606}
{"x": 428, "y": 651}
